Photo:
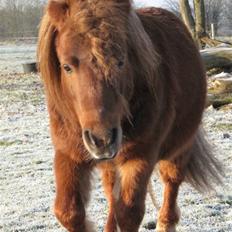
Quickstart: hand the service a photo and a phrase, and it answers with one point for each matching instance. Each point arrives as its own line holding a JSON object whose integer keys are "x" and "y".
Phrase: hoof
{"x": 161, "y": 227}
{"x": 111, "y": 229}
{"x": 150, "y": 225}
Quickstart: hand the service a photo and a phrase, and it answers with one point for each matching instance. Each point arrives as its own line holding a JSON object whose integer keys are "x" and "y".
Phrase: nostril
{"x": 114, "y": 135}
{"x": 93, "y": 140}
{"x": 87, "y": 137}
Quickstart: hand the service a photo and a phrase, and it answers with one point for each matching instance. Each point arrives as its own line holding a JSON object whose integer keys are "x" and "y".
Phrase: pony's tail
{"x": 203, "y": 169}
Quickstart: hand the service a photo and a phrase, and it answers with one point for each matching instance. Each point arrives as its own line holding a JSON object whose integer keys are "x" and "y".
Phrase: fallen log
{"x": 217, "y": 58}
{"x": 219, "y": 90}
{"x": 219, "y": 100}
{"x": 213, "y": 42}
{"x": 221, "y": 86}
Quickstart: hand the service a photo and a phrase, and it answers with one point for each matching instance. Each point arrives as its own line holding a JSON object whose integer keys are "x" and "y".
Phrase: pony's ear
{"x": 57, "y": 11}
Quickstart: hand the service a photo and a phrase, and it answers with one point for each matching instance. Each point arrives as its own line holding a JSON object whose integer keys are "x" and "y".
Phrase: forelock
{"x": 105, "y": 26}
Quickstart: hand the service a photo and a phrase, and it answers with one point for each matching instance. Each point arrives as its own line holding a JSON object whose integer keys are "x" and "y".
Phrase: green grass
{"x": 5, "y": 143}
{"x": 228, "y": 202}
{"x": 224, "y": 126}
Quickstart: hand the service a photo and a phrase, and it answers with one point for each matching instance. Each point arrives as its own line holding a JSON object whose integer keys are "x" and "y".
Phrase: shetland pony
{"x": 125, "y": 92}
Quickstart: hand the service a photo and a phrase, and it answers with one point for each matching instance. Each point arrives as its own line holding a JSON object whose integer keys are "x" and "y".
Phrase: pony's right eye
{"x": 67, "y": 68}
{"x": 120, "y": 64}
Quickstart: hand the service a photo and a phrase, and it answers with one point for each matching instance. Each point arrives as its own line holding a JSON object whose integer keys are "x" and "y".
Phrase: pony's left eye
{"x": 67, "y": 68}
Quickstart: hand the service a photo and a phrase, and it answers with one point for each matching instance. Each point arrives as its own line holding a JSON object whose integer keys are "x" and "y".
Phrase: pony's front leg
{"x": 108, "y": 180}
{"x": 172, "y": 176}
{"x": 131, "y": 194}
{"x": 72, "y": 192}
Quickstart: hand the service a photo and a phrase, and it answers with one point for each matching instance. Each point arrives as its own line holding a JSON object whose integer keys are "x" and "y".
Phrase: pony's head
{"x": 86, "y": 67}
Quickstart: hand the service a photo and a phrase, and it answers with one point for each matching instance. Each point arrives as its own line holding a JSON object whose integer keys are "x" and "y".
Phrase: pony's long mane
{"x": 100, "y": 21}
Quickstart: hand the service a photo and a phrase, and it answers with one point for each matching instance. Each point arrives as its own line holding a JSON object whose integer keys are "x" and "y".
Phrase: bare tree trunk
{"x": 200, "y": 26}
{"x": 187, "y": 16}
{"x": 199, "y": 8}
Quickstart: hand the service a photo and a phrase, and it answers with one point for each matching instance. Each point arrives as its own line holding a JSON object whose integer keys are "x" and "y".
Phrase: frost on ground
{"x": 26, "y": 157}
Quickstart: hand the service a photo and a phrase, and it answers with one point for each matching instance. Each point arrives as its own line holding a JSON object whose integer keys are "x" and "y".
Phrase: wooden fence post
{"x": 212, "y": 31}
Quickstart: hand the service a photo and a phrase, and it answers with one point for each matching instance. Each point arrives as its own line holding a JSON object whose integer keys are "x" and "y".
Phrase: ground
{"x": 26, "y": 161}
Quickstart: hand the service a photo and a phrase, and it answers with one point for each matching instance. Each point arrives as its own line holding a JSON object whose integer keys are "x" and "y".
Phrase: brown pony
{"x": 125, "y": 91}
